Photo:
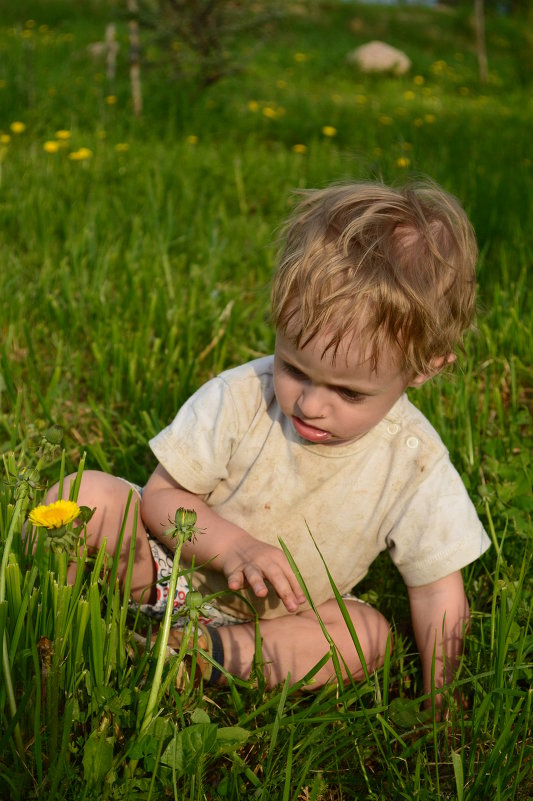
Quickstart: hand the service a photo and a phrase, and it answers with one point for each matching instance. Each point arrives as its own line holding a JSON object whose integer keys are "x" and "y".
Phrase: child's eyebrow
{"x": 337, "y": 387}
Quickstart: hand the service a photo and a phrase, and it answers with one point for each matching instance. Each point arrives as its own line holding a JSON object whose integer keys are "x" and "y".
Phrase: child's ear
{"x": 436, "y": 365}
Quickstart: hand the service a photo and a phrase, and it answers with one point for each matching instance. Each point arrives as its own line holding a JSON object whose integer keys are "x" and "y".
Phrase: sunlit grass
{"x": 136, "y": 257}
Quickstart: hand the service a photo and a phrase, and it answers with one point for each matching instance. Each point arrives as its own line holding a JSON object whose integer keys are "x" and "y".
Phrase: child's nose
{"x": 312, "y": 402}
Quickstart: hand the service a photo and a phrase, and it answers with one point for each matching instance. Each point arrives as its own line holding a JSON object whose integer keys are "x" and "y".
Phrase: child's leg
{"x": 295, "y": 643}
{"x": 109, "y": 495}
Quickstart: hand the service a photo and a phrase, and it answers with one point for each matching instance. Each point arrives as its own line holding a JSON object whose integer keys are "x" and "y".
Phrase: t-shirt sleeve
{"x": 196, "y": 447}
{"x": 438, "y": 531}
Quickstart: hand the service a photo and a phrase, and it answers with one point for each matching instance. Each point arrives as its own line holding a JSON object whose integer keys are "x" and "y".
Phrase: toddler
{"x": 373, "y": 291}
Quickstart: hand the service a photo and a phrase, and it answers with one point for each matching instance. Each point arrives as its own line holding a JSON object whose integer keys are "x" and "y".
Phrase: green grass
{"x": 131, "y": 277}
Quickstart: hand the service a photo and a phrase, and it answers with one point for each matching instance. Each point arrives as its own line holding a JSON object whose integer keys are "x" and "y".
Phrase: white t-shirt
{"x": 393, "y": 489}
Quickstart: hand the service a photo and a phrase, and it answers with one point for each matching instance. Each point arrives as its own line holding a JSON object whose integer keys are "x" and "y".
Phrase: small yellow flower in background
{"x": 111, "y": 100}
{"x": 360, "y": 99}
{"x": 27, "y": 34}
{"x": 403, "y": 161}
{"x": 51, "y": 146}
{"x": 438, "y": 67}
{"x": 418, "y": 80}
{"x": 300, "y": 57}
{"x": 192, "y": 139}
{"x": 409, "y": 95}
{"x": 30, "y": 23}
{"x": 430, "y": 118}
{"x": 63, "y": 135}
{"x": 55, "y": 515}
{"x": 253, "y": 105}
{"x": 81, "y": 155}
{"x": 329, "y": 130}
{"x": 122, "y": 147}
{"x": 17, "y": 127}
{"x": 385, "y": 120}
{"x": 299, "y": 148}
{"x": 5, "y": 139}
{"x": 269, "y": 112}
{"x": 336, "y": 98}
{"x": 418, "y": 122}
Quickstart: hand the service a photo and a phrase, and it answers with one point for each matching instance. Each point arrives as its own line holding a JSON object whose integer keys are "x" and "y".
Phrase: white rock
{"x": 379, "y": 57}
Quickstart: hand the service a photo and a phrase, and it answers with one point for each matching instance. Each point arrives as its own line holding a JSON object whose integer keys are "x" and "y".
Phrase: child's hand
{"x": 252, "y": 563}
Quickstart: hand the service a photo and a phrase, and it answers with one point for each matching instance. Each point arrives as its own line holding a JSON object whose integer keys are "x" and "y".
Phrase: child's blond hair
{"x": 396, "y": 267}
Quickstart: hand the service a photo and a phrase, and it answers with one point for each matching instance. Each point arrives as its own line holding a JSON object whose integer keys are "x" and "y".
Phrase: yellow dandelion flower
{"x": 385, "y": 120}
{"x": 18, "y": 127}
{"x": 27, "y": 34}
{"x": 30, "y": 23}
{"x": 419, "y": 80}
{"x": 329, "y": 130}
{"x": 430, "y": 118}
{"x": 253, "y": 105}
{"x": 81, "y": 155}
{"x": 269, "y": 112}
{"x": 51, "y": 146}
{"x": 336, "y": 98}
{"x": 360, "y": 99}
{"x": 409, "y": 95}
{"x": 403, "y": 161}
{"x": 192, "y": 139}
{"x": 122, "y": 147}
{"x": 63, "y": 135}
{"x": 111, "y": 100}
{"x": 55, "y": 515}
{"x": 299, "y": 148}
{"x": 5, "y": 139}
{"x": 300, "y": 57}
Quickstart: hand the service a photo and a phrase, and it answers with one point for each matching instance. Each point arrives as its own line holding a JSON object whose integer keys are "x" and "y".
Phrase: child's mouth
{"x": 308, "y": 432}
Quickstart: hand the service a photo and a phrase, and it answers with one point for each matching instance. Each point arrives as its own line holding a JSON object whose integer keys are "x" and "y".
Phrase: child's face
{"x": 333, "y": 403}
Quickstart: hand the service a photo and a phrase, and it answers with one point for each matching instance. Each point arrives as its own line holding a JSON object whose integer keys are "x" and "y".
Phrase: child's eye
{"x": 292, "y": 370}
{"x": 351, "y": 395}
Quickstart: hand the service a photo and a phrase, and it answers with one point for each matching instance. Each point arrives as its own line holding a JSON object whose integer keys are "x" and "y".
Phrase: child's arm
{"x": 440, "y": 614}
{"x": 243, "y": 559}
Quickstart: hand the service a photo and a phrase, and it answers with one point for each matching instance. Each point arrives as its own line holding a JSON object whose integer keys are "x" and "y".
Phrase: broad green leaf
{"x": 97, "y": 757}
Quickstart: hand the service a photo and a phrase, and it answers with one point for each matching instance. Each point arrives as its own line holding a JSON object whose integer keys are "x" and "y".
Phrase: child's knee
{"x": 95, "y": 486}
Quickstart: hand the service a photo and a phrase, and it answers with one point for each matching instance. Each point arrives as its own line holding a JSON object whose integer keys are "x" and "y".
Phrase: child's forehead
{"x": 349, "y": 358}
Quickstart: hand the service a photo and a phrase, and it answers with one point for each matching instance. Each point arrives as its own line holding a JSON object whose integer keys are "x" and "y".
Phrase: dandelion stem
{"x": 163, "y": 639}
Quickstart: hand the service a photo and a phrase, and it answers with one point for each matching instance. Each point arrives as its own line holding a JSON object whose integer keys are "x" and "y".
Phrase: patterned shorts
{"x": 163, "y": 559}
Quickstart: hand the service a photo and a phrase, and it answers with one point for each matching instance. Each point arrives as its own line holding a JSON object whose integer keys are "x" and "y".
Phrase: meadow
{"x": 136, "y": 256}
